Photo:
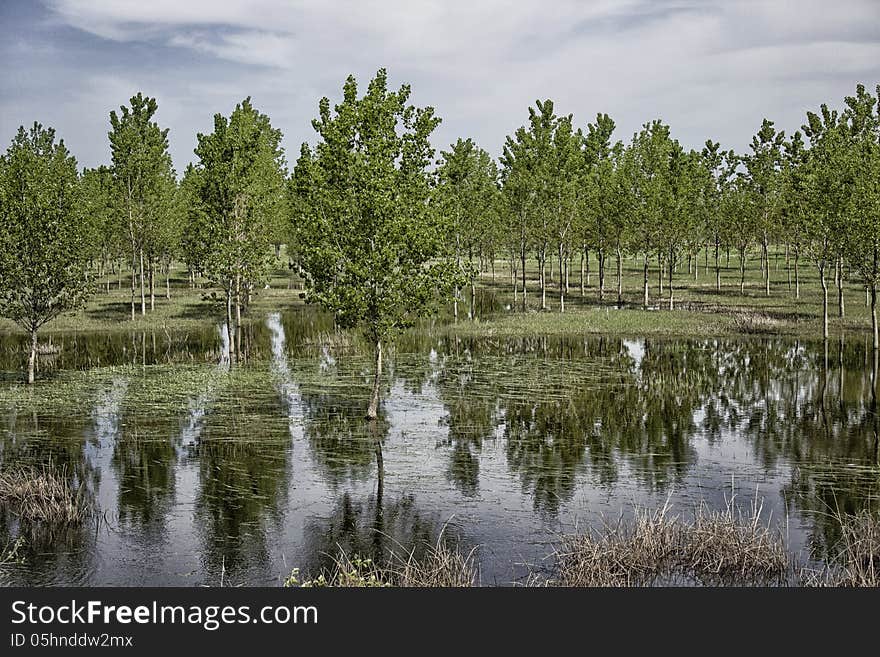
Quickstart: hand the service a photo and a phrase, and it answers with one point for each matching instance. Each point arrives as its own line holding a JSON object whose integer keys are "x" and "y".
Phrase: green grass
{"x": 701, "y": 309}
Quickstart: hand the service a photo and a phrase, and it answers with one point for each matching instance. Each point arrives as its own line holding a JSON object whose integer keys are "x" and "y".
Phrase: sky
{"x": 710, "y": 69}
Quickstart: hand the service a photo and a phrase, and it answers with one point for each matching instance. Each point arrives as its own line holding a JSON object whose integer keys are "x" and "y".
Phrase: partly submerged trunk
{"x": 230, "y": 329}
{"x": 874, "y": 343}
{"x": 32, "y": 357}
{"x": 373, "y": 409}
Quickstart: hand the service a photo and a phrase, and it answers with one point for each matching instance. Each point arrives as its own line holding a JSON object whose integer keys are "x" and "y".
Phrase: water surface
{"x": 204, "y": 472}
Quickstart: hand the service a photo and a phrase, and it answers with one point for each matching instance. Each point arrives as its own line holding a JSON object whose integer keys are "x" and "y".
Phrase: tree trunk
{"x": 659, "y": 278}
{"x": 587, "y": 255}
{"x": 742, "y": 272}
{"x": 143, "y": 292}
{"x": 646, "y": 282}
{"x": 133, "y": 278}
{"x": 32, "y": 357}
{"x": 717, "y": 268}
{"x": 582, "y": 274}
{"x": 230, "y": 330}
{"x": 152, "y": 285}
{"x": 619, "y": 277}
{"x": 841, "y": 311}
{"x": 788, "y": 265}
{"x": 766, "y": 267}
{"x": 671, "y": 293}
{"x": 542, "y": 265}
{"x": 373, "y": 409}
{"x": 238, "y": 317}
{"x": 824, "y": 300}
{"x": 522, "y": 257}
{"x": 797, "y": 276}
{"x": 601, "y": 274}
{"x": 874, "y": 342}
{"x": 561, "y": 279}
{"x": 168, "y": 281}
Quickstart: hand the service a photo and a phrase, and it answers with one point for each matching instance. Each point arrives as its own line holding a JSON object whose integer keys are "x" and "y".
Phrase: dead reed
{"x": 856, "y": 562}
{"x": 731, "y": 547}
{"x": 42, "y": 495}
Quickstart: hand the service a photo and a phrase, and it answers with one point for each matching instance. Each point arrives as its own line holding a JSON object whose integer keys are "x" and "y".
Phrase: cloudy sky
{"x": 711, "y": 68}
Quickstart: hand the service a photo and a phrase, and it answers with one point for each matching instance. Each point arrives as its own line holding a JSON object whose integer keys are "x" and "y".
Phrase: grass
{"x": 728, "y": 547}
{"x": 41, "y": 495}
{"x": 701, "y": 310}
{"x": 857, "y": 561}
{"x": 440, "y": 567}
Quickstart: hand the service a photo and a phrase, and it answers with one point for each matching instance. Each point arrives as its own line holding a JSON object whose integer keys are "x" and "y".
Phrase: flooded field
{"x": 203, "y": 473}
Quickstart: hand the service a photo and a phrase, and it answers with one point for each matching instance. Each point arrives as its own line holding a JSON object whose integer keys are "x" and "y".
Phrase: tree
{"x": 101, "y": 214}
{"x": 241, "y": 192}
{"x": 465, "y": 197}
{"x": 371, "y": 248}
{"x": 600, "y": 192}
{"x": 861, "y": 171}
{"x": 44, "y": 246}
{"x": 651, "y": 152}
{"x": 763, "y": 166}
{"x": 826, "y": 193}
{"x": 145, "y": 180}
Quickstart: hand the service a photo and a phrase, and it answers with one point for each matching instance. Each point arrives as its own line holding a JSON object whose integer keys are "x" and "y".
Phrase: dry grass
{"x": 441, "y": 566}
{"x": 41, "y": 495}
{"x": 729, "y": 547}
{"x": 857, "y": 561}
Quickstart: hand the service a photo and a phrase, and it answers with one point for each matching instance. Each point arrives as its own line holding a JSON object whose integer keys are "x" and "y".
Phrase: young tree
{"x": 600, "y": 193}
{"x": 826, "y": 195}
{"x": 372, "y": 251}
{"x": 465, "y": 197}
{"x": 651, "y": 152}
{"x": 144, "y": 179}
{"x": 861, "y": 162}
{"x": 101, "y": 213}
{"x": 241, "y": 183}
{"x": 44, "y": 241}
{"x": 763, "y": 166}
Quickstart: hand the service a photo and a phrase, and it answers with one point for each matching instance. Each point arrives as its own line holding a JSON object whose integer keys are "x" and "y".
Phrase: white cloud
{"x": 710, "y": 69}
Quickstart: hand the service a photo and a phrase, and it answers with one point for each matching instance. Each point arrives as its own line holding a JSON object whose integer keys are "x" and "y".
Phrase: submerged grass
{"x": 42, "y": 495}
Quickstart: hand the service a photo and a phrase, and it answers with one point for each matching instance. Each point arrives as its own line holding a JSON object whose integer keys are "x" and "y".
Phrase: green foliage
{"x": 466, "y": 198}
{"x": 144, "y": 176}
{"x": 239, "y": 182}
{"x": 371, "y": 248}
{"x": 44, "y": 240}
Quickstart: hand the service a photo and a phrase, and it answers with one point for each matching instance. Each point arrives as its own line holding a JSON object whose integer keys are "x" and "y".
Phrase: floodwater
{"x": 203, "y": 472}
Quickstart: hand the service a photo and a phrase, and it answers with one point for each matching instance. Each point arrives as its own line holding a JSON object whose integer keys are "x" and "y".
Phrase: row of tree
{"x": 380, "y": 231}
